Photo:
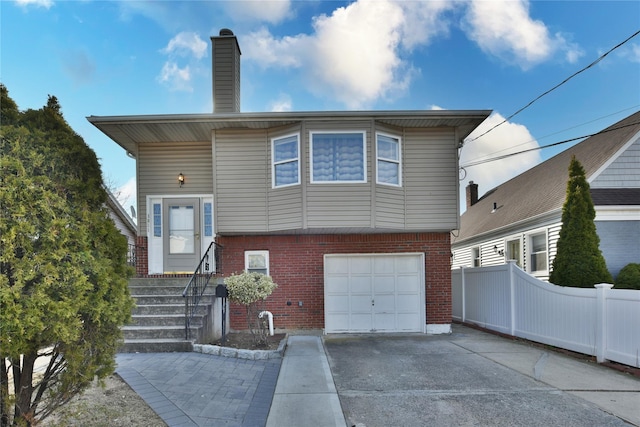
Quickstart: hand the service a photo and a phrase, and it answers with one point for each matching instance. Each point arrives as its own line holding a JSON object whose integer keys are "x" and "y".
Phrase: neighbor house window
{"x": 514, "y": 251}
{"x": 338, "y": 157}
{"x": 538, "y": 253}
{"x": 475, "y": 256}
{"x": 256, "y": 262}
{"x": 388, "y": 167}
{"x": 285, "y": 153}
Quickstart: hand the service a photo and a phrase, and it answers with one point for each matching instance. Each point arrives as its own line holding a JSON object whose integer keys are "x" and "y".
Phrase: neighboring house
{"x": 124, "y": 223}
{"x": 350, "y": 212}
{"x": 521, "y": 219}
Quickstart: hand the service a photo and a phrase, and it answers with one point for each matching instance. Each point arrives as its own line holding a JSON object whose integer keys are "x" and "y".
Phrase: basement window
{"x": 256, "y": 262}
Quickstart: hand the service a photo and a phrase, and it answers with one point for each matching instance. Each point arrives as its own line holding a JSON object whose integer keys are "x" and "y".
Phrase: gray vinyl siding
{"x": 240, "y": 180}
{"x": 623, "y": 172}
{"x": 430, "y": 179}
{"x": 245, "y": 201}
{"x": 158, "y": 169}
{"x": 226, "y": 78}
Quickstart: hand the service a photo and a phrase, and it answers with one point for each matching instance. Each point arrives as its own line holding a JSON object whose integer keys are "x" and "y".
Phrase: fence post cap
{"x": 603, "y": 286}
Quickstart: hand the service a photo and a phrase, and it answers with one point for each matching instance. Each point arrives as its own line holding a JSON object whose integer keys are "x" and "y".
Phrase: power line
{"x": 558, "y": 85}
{"x": 557, "y": 132}
{"x": 504, "y": 156}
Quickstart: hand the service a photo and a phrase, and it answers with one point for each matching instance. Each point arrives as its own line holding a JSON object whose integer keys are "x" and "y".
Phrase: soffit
{"x": 128, "y": 131}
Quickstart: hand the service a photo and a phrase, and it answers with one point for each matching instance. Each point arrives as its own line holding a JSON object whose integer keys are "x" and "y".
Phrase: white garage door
{"x": 374, "y": 293}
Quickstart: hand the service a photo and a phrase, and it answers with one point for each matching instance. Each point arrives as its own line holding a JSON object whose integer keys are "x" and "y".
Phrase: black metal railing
{"x": 210, "y": 265}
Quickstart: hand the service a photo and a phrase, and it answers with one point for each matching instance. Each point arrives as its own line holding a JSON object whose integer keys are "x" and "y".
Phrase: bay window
{"x": 388, "y": 167}
{"x": 338, "y": 157}
{"x": 285, "y": 154}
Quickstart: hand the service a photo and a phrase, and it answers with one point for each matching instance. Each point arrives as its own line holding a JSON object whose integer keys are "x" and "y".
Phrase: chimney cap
{"x": 226, "y": 32}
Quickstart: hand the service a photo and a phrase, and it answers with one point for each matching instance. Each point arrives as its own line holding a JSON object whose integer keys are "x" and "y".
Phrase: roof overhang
{"x": 129, "y": 131}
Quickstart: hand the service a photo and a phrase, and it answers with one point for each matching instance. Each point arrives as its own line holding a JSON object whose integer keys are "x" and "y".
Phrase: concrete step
{"x": 156, "y": 346}
{"x": 155, "y": 332}
{"x": 163, "y": 320}
{"x": 164, "y": 309}
{"x": 158, "y": 299}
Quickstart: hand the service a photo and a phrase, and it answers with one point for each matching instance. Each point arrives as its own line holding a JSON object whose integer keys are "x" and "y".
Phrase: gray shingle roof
{"x": 542, "y": 189}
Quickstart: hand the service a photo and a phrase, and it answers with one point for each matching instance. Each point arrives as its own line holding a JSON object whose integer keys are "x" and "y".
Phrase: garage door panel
{"x": 385, "y": 304}
{"x": 406, "y": 322}
{"x": 382, "y": 265}
{"x": 338, "y": 303}
{"x": 361, "y": 265}
{"x": 360, "y": 285}
{"x": 387, "y": 322}
{"x": 408, "y": 304}
{"x": 360, "y": 322}
{"x": 408, "y": 265}
{"x": 408, "y": 284}
{"x": 337, "y": 285}
{"x": 374, "y": 293}
{"x": 337, "y": 322}
{"x": 360, "y": 304}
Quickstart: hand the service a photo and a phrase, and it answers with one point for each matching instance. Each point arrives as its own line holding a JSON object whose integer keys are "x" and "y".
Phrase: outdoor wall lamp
{"x": 181, "y": 179}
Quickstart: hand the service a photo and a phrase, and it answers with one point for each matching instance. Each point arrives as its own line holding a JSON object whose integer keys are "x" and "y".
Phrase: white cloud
{"x": 272, "y": 11}
{"x": 188, "y": 47}
{"x": 355, "y": 55}
{"x": 186, "y": 44}
{"x": 38, "y": 3}
{"x": 632, "y": 53}
{"x": 176, "y": 78}
{"x": 506, "y": 30}
{"x": 505, "y": 139}
{"x": 283, "y": 103}
{"x": 268, "y": 51}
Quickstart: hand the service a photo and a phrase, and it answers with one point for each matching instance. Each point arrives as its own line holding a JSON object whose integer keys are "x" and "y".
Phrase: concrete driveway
{"x": 472, "y": 378}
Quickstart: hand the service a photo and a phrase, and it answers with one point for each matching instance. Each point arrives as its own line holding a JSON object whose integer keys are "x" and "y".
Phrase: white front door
{"x": 374, "y": 293}
{"x": 181, "y": 235}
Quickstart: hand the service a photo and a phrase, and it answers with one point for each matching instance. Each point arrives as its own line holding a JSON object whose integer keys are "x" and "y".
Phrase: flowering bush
{"x": 250, "y": 290}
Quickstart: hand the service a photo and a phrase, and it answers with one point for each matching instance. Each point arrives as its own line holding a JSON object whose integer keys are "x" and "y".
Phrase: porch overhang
{"x": 129, "y": 131}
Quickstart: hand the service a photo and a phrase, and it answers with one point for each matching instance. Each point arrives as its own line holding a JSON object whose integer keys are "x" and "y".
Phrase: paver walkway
{"x": 194, "y": 389}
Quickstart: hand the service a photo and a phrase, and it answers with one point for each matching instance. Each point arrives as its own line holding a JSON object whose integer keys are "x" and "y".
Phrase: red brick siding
{"x": 142, "y": 256}
{"x": 296, "y": 265}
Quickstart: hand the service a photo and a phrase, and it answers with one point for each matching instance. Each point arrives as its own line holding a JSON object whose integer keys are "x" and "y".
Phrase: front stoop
{"x": 157, "y": 321}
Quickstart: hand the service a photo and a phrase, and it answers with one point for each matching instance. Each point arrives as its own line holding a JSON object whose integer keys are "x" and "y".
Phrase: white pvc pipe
{"x": 270, "y": 317}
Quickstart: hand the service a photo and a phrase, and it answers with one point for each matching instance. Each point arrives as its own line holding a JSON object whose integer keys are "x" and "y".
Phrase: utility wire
{"x": 488, "y": 156}
{"x": 504, "y": 156}
{"x": 558, "y": 85}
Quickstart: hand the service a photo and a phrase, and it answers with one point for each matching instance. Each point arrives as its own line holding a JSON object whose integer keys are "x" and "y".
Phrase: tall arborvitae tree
{"x": 63, "y": 270}
{"x": 578, "y": 261}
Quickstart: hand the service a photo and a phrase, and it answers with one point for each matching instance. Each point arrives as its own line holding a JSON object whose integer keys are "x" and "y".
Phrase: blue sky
{"x": 154, "y": 57}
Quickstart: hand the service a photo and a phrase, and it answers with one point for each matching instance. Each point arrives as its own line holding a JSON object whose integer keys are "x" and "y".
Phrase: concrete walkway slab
{"x": 305, "y": 394}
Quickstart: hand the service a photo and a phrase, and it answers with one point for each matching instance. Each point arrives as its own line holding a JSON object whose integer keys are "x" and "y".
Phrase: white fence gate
{"x": 601, "y": 322}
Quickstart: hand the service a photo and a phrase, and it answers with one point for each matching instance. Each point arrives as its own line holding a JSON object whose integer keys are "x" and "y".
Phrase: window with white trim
{"x": 514, "y": 251}
{"x": 256, "y": 262}
{"x": 338, "y": 157}
{"x": 475, "y": 256}
{"x": 538, "y": 253}
{"x": 285, "y": 155}
{"x": 388, "y": 166}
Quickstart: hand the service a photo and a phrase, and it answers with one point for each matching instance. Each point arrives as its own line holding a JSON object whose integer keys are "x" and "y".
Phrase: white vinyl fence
{"x": 601, "y": 322}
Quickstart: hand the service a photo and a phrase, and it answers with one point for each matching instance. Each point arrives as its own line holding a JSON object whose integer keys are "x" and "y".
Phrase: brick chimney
{"x": 226, "y": 72}
{"x": 472, "y": 194}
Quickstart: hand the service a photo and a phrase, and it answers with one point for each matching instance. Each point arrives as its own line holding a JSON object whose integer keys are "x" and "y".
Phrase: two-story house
{"x": 521, "y": 219}
{"x": 350, "y": 212}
